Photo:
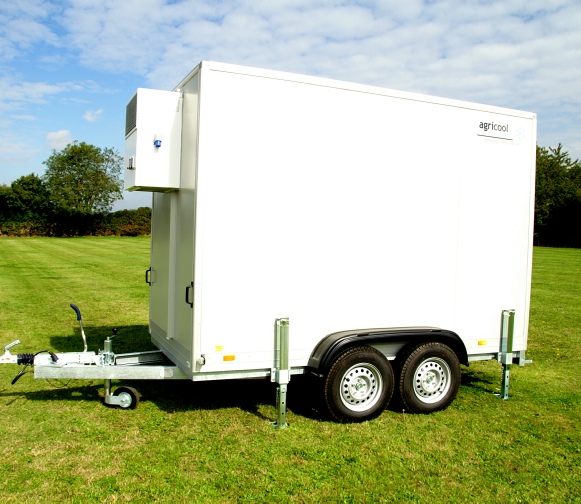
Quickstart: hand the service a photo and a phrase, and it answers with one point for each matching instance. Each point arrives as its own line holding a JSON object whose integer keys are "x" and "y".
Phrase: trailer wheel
{"x": 359, "y": 385}
{"x": 429, "y": 377}
{"x": 128, "y": 396}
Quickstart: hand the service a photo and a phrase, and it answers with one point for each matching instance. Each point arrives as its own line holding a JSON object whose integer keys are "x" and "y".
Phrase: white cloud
{"x": 92, "y": 115}
{"x": 58, "y": 140}
{"x": 16, "y": 154}
{"x": 515, "y": 53}
{"x": 13, "y": 92}
{"x": 24, "y": 117}
{"x": 424, "y": 47}
{"x": 128, "y": 35}
{"x": 23, "y": 24}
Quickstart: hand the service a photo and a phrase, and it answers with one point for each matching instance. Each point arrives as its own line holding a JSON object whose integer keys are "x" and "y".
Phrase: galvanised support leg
{"x": 108, "y": 359}
{"x": 281, "y": 422}
{"x": 505, "y": 381}
{"x": 107, "y": 391}
{"x": 281, "y": 373}
{"x": 505, "y": 356}
{"x": 110, "y": 399}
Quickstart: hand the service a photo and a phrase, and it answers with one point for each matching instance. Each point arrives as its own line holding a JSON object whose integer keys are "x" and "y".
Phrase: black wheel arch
{"x": 333, "y": 344}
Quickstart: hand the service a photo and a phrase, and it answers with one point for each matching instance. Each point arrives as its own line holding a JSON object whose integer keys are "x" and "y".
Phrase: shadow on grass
{"x": 481, "y": 380}
{"x": 128, "y": 339}
{"x": 175, "y": 396}
{"x": 61, "y": 392}
{"x": 248, "y": 395}
{"x": 170, "y": 395}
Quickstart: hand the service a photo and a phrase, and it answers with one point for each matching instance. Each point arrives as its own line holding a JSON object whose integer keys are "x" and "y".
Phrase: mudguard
{"x": 332, "y": 345}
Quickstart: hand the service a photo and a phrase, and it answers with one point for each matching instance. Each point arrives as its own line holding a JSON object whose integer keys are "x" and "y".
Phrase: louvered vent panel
{"x": 131, "y": 115}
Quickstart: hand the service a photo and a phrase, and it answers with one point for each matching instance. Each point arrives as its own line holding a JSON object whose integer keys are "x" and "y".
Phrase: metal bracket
{"x": 109, "y": 397}
{"x": 8, "y": 358}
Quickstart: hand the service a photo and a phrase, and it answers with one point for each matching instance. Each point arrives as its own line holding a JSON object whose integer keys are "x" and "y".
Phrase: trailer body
{"x": 368, "y": 217}
{"x": 343, "y": 207}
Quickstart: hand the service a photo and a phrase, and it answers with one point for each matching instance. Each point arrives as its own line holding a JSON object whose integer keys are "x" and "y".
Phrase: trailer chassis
{"x": 148, "y": 365}
{"x": 155, "y": 365}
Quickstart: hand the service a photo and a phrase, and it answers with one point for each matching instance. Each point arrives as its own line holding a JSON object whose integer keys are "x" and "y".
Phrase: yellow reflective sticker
{"x": 482, "y": 342}
{"x": 229, "y": 357}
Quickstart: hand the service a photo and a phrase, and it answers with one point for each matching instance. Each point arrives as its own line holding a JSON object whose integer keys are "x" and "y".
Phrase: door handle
{"x": 189, "y": 289}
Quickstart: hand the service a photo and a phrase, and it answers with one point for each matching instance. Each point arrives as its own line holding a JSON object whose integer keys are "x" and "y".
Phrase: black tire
{"x": 358, "y": 385}
{"x": 429, "y": 377}
{"x": 129, "y": 397}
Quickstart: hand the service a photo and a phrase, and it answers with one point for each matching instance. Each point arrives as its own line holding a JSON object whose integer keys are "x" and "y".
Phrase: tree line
{"x": 557, "y": 199}
{"x": 75, "y": 195}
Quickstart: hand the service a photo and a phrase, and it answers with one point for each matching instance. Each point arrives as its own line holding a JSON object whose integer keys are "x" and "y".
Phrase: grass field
{"x": 212, "y": 442}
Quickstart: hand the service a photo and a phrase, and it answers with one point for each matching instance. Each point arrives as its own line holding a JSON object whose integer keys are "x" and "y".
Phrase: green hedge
{"x": 121, "y": 223}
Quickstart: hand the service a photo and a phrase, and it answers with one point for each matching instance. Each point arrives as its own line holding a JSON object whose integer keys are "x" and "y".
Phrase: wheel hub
{"x": 361, "y": 387}
{"x": 432, "y": 380}
{"x": 124, "y": 400}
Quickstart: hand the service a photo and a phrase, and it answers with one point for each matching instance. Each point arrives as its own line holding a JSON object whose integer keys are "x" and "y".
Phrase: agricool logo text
{"x": 485, "y": 126}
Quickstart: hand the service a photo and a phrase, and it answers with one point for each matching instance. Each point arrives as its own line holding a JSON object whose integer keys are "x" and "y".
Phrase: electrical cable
{"x": 28, "y": 360}
{"x": 21, "y": 374}
{"x": 58, "y": 385}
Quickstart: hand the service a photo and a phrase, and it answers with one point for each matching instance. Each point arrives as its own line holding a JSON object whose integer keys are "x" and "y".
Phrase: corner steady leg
{"x": 281, "y": 373}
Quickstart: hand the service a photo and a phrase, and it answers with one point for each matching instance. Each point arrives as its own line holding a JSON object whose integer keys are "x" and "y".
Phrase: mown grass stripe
{"x": 212, "y": 442}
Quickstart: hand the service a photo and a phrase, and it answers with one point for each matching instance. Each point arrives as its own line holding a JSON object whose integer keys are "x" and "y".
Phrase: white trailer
{"x": 392, "y": 232}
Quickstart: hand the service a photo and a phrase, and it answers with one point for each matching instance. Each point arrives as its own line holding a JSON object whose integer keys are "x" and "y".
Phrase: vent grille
{"x": 131, "y": 115}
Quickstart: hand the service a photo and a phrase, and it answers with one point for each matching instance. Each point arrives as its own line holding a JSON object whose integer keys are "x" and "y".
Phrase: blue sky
{"x": 68, "y": 68}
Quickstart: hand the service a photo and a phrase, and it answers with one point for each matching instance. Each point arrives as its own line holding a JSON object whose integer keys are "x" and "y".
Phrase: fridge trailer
{"x": 385, "y": 236}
